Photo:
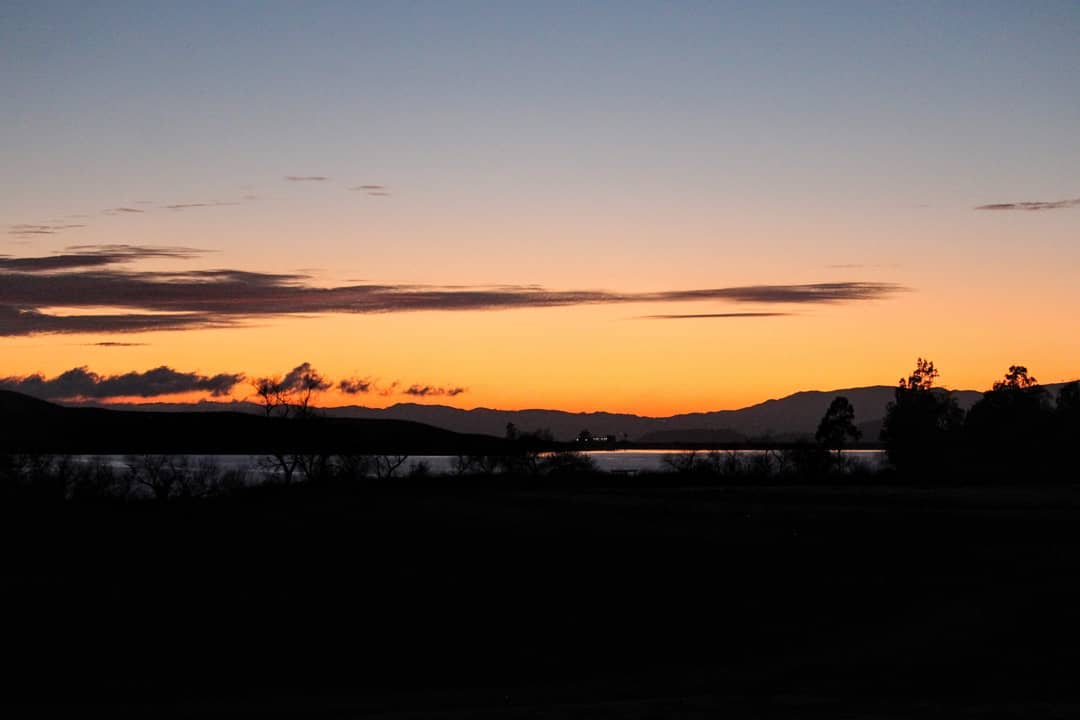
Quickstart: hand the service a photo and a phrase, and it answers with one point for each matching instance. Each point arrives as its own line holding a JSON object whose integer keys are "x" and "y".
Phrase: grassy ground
{"x": 616, "y": 602}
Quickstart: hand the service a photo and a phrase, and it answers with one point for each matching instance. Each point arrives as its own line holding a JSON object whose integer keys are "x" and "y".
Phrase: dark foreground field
{"x": 536, "y": 603}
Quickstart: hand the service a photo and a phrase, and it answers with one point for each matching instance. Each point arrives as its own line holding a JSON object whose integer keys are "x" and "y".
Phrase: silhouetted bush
{"x": 95, "y": 480}
{"x": 720, "y": 464}
{"x": 352, "y": 468}
{"x": 420, "y": 470}
{"x": 567, "y": 464}
{"x": 485, "y": 465}
{"x": 37, "y": 476}
{"x": 522, "y": 461}
{"x": 171, "y": 477}
{"x": 803, "y": 462}
{"x": 682, "y": 463}
{"x": 807, "y": 461}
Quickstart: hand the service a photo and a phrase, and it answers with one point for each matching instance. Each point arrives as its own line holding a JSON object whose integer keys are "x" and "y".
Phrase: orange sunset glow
{"x": 429, "y": 223}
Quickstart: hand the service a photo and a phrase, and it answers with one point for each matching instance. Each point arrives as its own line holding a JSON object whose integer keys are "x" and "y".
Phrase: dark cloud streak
{"x": 29, "y": 230}
{"x": 84, "y": 277}
{"x": 187, "y": 206}
{"x": 16, "y": 322}
{"x": 82, "y": 383}
{"x": 356, "y": 386}
{"x": 91, "y": 256}
{"x": 432, "y": 391}
{"x": 1032, "y": 205}
{"x": 373, "y": 190}
{"x": 698, "y": 316}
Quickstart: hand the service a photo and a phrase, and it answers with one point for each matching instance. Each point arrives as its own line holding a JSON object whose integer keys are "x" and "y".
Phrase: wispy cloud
{"x": 433, "y": 391}
{"x": 699, "y": 316}
{"x": 306, "y": 178}
{"x": 809, "y": 293}
{"x": 117, "y": 344}
{"x": 188, "y": 206}
{"x": 16, "y": 321}
{"x": 89, "y": 256}
{"x": 359, "y": 386}
{"x": 30, "y": 230}
{"x": 121, "y": 252}
{"x": 86, "y": 277}
{"x": 356, "y": 386}
{"x": 1032, "y": 205}
{"x": 373, "y": 190}
{"x": 81, "y": 383}
{"x": 122, "y": 211}
{"x": 859, "y": 266}
{"x": 304, "y": 376}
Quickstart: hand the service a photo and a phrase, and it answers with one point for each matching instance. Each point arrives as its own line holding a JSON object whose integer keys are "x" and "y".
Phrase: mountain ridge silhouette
{"x": 789, "y": 417}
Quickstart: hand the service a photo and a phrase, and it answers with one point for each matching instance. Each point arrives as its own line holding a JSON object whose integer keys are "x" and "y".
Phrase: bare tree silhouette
{"x": 167, "y": 477}
{"x": 385, "y": 466}
{"x": 292, "y": 396}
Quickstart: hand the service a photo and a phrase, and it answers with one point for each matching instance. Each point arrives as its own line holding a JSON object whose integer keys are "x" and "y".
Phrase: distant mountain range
{"x": 788, "y": 418}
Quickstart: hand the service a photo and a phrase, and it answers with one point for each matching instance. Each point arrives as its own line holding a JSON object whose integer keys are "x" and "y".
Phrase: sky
{"x": 636, "y": 206}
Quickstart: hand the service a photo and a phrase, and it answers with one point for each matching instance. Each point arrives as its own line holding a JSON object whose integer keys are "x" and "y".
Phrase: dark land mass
{"x": 786, "y": 419}
{"x": 535, "y": 599}
{"x": 32, "y": 425}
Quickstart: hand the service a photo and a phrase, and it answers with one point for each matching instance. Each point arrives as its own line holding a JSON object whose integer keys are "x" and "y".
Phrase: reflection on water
{"x": 653, "y": 460}
{"x": 620, "y": 461}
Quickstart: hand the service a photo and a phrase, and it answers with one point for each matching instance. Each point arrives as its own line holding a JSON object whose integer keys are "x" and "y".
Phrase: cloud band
{"x": 87, "y": 277}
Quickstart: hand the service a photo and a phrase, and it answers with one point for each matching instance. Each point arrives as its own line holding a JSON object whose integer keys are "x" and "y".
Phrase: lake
{"x": 618, "y": 461}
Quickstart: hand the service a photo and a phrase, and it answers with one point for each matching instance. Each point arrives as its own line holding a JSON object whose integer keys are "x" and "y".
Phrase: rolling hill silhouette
{"x": 33, "y": 425}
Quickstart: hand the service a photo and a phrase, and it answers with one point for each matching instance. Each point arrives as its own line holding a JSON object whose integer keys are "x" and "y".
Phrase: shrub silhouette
{"x": 805, "y": 461}
{"x": 683, "y": 463}
{"x": 168, "y": 477}
{"x": 568, "y": 464}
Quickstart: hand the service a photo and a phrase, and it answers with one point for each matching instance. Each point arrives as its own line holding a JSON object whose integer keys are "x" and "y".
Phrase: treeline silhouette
{"x": 49, "y": 477}
{"x": 1017, "y": 431}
